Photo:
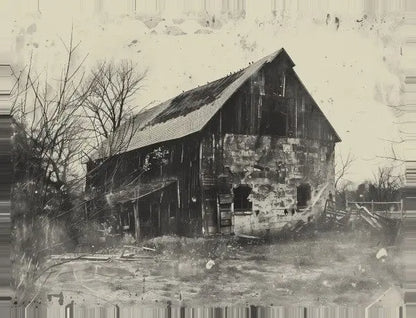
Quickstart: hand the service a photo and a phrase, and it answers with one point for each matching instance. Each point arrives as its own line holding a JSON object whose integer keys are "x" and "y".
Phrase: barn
{"x": 244, "y": 154}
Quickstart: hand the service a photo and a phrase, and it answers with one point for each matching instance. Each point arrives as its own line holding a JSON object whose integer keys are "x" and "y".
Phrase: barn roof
{"x": 190, "y": 111}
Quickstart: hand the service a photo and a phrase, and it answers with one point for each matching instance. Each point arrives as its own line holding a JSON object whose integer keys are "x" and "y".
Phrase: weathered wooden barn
{"x": 244, "y": 154}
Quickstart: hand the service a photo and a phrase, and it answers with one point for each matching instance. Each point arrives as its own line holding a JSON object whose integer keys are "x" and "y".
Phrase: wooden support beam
{"x": 136, "y": 216}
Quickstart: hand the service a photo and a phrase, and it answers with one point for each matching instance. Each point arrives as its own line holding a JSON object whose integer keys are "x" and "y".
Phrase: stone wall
{"x": 274, "y": 167}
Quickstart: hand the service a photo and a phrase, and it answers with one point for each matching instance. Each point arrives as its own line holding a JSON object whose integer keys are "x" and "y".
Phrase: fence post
{"x": 372, "y": 205}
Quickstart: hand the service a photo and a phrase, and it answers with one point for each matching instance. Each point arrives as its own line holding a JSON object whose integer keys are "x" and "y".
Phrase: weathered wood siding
{"x": 270, "y": 135}
{"x": 274, "y": 102}
{"x": 182, "y": 164}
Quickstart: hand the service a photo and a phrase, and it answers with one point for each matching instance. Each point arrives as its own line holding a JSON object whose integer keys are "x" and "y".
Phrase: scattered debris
{"x": 210, "y": 264}
{"x": 283, "y": 290}
{"x": 248, "y": 237}
{"x": 378, "y": 222}
{"x": 381, "y": 253}
{"x": 96, "y": 258}
{"x": 358, "y": 216}
{"x": 139, "y": 248}
{"x": 81, "y": 257}
{"x": 149, "y": 249}
{"x": 173, "y": 272}
{"x": 123, "y": 256}
{"x": 131, "y": 246}
{"x": 133, "y": 257}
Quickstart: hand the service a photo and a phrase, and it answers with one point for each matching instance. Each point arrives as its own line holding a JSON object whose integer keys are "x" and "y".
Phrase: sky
{"x": 353, "y": 72}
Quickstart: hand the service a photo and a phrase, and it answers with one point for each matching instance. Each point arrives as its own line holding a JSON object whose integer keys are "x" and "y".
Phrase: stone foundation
{"x": 274, "y": 167}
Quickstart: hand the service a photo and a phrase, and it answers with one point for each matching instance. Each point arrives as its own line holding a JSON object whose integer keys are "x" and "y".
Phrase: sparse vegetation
{"x": 330, "y": 268}
{"x": 51, "y": 141}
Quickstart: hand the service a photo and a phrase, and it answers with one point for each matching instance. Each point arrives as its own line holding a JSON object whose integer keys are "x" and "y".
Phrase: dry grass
{"x": 330, "y": 268}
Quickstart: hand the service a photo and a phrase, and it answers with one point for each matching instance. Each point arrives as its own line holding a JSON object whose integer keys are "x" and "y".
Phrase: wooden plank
{"x": 248, "y": 237}
{"x": 83, "y": 257}
{"x": 134, "y": 258}
{"x": 372, "y": 216}
{"x": 371, "y": 222}
{"x": 148, "y": 249}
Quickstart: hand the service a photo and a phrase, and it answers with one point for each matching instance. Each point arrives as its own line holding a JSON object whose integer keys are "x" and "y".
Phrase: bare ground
{"x": 326, "y": 268}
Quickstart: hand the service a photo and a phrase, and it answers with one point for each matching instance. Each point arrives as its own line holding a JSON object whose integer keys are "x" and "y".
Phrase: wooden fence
{"x": 391, "y": 209}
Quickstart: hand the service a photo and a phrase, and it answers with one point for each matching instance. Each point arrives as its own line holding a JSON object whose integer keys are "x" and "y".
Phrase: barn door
{"x": 209, "y": 194}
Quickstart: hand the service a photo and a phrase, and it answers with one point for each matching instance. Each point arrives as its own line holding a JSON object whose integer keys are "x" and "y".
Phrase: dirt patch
{"x": 330, "y": 268}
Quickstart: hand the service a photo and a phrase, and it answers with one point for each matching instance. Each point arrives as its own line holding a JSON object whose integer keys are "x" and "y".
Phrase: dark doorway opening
{"x": 241, "y": 201}
{"x": 303, "y": 195}
{"x": 172, "y": 223}
{"x": 155, "y": 211}
{"x": 145, "y": 218}
{"x": 126, "y": 217}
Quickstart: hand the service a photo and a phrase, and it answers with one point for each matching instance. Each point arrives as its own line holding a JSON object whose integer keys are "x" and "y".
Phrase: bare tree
{"x": 47, "y": 146}
{"x": 386, "y": 184}
{"x": 48, "y": 124}
{"x": 342, "y": 168}
{"x": 108, "y": 108}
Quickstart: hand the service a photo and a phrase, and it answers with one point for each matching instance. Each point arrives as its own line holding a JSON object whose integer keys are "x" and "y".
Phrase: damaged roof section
{"x": 195, "y": 98}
